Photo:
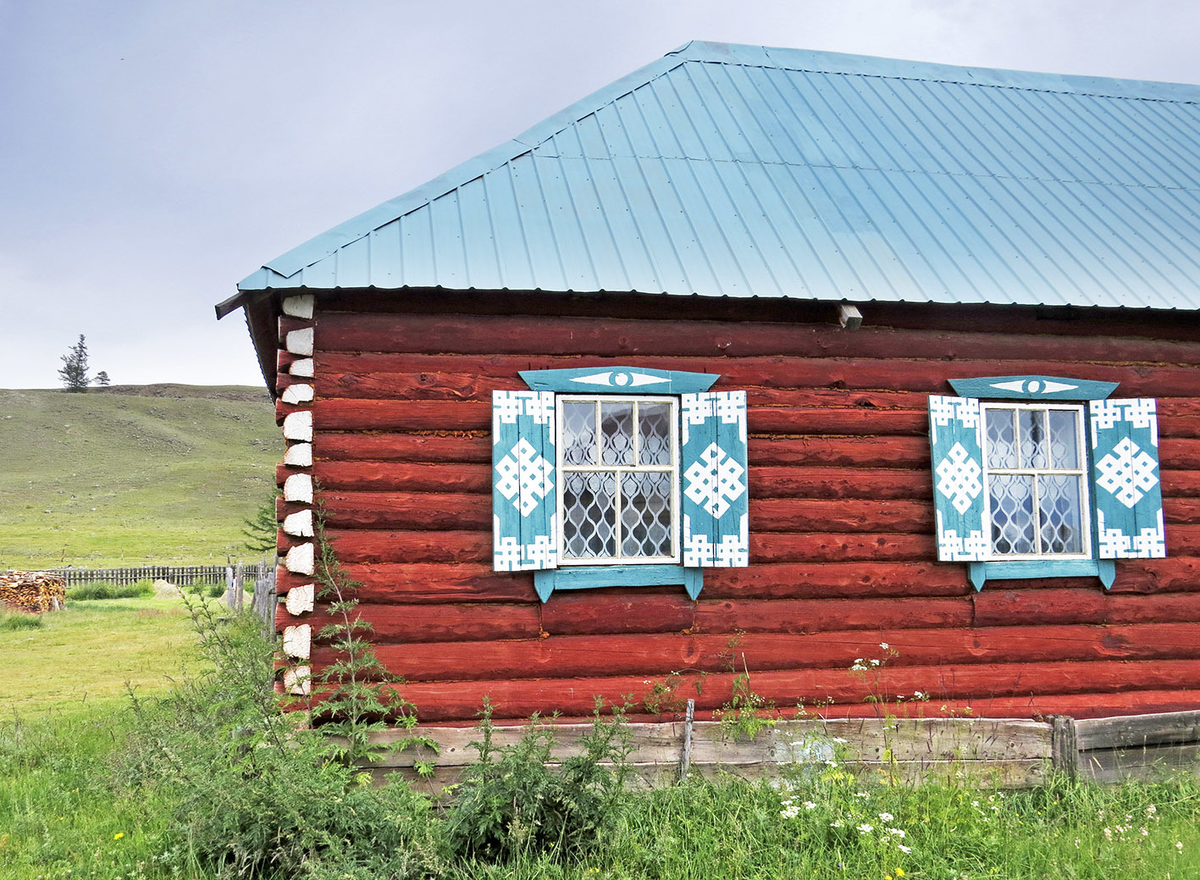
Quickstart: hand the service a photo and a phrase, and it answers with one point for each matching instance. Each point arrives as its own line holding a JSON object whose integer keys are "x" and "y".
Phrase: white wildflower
{"x": 809, "y": 805}
{"x": 886, "y": 817}
{"x": 904, "y": 849}
{"x": 885, "y": 646}
{"x": 865, "y": 828}
{"x": 897, "y": 832}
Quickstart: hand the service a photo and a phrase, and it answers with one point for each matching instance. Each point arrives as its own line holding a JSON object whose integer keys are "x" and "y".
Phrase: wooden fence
{"x": 263, "y": 599}
{"x": 1005, "y": 752}
{"x": 179, "y": 575}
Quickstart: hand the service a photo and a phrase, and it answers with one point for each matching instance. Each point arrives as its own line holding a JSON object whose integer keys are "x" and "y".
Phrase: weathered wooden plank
{"x": 1138, "y": 730}
{"x": 1153, "y": 764}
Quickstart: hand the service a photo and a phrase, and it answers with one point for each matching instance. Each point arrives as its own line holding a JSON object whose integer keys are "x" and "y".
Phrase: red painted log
{"x": 432, "y": 623}
{"x": 783, "y": 547}
{"x": 1001, "y": 607}
{"x": 1180, "y": 483}
{"x": 617, "y": 611}
{"x": 443, "y": 546}
{"x": 850, "y": 452}
{"x": 431, "y": 447}
{"x": 435, "y": 583}
{"x": 655, "y": 656}
{"x": 620, "y": 337}
{"x": 1173, "y": 574}
{"x": 437, "y": 701}
{"x": 814, "y": 615}
{"x": 851, "y": 515}
{"x": 767, "y": 481}
{"x": 348, "y": 414}
{"x": 406, "y": 510}
{"x": 836, "y": 580}
{"x": 388, "y": 476}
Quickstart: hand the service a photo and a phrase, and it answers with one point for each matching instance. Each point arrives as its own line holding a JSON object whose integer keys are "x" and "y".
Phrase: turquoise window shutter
{"x": 715, "y": 498}
{"x": 524, "y": 534}
{"x": 956, "y": 437}
{"x": 1125, "y": 479}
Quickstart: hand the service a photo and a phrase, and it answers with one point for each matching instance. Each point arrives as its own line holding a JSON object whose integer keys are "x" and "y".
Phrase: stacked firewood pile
{"x": 32, "y": 591}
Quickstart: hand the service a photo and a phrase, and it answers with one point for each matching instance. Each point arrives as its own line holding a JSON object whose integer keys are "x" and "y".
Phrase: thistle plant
{"x": 356, "y": 701}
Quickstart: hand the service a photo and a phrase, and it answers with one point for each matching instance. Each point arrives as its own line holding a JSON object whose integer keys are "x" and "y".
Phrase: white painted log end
{"x": 298, "y": 680}
{"x": 299, "y": 524}
{"x": 303, "y": 368}
{"x": 300, "y": 306}
{"x": 300, "y": 599}
{"x": 297, "y": 394}
{"x": 298, "y": 426}
{"x": 298, "y": 488}
{"x": 298, "y": 455}
{"x": 300, "y": 342}
{"x": 300, "y": 559}
{"x": 297, "y": 641}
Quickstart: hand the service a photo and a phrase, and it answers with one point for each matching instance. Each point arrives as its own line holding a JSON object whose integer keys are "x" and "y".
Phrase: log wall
{"x": 389, "y": 413}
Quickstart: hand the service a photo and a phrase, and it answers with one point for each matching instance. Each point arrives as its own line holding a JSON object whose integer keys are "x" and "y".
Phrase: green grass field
{"x": 132, "y": 475}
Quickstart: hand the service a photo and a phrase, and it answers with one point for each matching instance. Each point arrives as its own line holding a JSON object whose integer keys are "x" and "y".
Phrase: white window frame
{"x": 565, "y": 469}
{"x": 1082, "y": 473}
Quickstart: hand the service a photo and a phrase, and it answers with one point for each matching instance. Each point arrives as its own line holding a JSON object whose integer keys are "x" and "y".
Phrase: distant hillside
{"x": 128, "y": 475}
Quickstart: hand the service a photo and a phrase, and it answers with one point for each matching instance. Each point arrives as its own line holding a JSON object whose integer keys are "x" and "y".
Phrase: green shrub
{"x": 255, "y": 794}
{"x": 14, "y": 620}
{"x": 90, "y": 592}
{"x": 510, "y": 804}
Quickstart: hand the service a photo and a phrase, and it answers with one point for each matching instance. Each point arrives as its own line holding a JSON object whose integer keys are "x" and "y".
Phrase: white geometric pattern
{"x": 1139, "y": 412}
{"x": 943, "y": 410}
{"x": 1127, "y": 472}
{"x": 969, "y": 548}
{"x": 732, "y": 552}
{"x": 508, "y": 554}
{"x": 958, "y": 478}
{"x": 729, "y": 407}
{"x": 1115, "y": 544}
{"x": 526, "y": 479}
{"x": 712, "y": 478}
{"x": 507, "y": 405}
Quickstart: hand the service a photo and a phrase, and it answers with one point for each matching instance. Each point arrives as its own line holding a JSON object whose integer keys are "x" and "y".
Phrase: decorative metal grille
{"x": 619, "y": 463}
{"x": 1036, "y": 487}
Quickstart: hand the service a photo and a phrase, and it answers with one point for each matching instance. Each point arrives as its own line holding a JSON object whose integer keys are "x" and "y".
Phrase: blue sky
{"x": 154, "y": 153}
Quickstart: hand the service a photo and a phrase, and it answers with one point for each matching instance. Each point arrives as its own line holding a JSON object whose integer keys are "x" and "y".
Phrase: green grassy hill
{"x": 131, "y": 475}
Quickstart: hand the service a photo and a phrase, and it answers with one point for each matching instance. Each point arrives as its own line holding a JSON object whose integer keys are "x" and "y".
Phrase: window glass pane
{"x": 646, "y": 514}
{"x": 654, "y": 432}
{"x": 1032, "y": 429}
{"x": 589, "y": 514}
{"x": 1012, "y": 514}
{"x": 1058, "y": 500}
{"x": 616, "y": 425}
{"x": 1002, "y": 450}
{"x": 1064, "y": 444}
{"x": 579, "y": 432}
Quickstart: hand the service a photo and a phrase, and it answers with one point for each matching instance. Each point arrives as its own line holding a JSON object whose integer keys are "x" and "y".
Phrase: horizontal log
{"x": 657, "y": 656}
{"x": 1153, "y": 764}
{"x": 660, "y": 609}
{"x": 349, "y": 414}
{"x": 847, "y": 515}
{"x": 435, "y": 447}
{"x": 401, "y": 476}
{"x": 406, "y": 510}
{"x": 784, "y": 547}
{"x": 1044, "y": 606}
{"x": 1138, "y": 730}
{"x": 408, "y": 546}
{"x": 836, "y": 580}
{"x": 1172, "y": 574}
{"x": 882, "y": 484}
{"x": 430, "y": 623}
{"x": 987, "y": 684}
{"x": 481, "y": 334}
{"x": 850, "y": 452}
{"x": 814, "y": 615}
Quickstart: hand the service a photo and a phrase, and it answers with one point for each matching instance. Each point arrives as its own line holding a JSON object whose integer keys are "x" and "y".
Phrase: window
{"x": 1038, "y": 476}
{"x": 1035, "y": 487}
{"x": 618, "y": 477}
{"x": 618, "y": 461}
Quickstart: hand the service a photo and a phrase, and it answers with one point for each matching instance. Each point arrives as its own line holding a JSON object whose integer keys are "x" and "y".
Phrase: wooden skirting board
{"x": 1007, "y": 753}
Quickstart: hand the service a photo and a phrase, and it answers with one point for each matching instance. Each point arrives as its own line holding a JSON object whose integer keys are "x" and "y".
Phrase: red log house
{"x": 755, "y": 361}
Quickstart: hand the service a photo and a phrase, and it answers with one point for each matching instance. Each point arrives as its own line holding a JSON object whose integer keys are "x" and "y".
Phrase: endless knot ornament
{"x": 958, "y": 478}
{"x": 713, "y": 478}
{"x": 1127, "y": 472}
{"x": 524, "y": 477}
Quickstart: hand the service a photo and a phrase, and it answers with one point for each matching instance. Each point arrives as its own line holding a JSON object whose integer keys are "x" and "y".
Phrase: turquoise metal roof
{"x": 728, "y": 170}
